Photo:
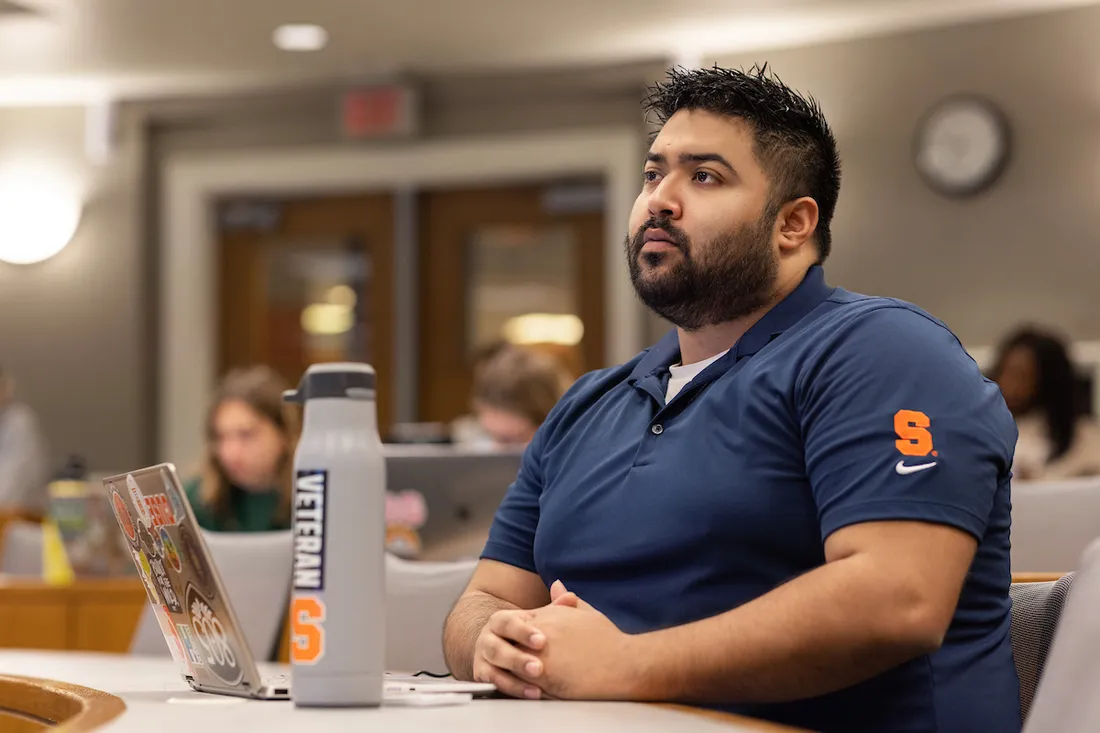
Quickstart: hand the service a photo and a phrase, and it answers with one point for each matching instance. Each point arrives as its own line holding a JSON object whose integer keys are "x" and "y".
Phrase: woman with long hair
{"x": 1039, "y": 385}
{"x": 244, "y": 484}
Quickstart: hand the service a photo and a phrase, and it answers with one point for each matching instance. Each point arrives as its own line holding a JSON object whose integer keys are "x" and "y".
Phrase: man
{"x": 795, "y": 506}
{"x": 23, "y": 460}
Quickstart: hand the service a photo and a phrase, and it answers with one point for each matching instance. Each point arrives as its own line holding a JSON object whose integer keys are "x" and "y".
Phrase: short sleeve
{"x": 899, "y": 424}
{"x": 512, "y": 534}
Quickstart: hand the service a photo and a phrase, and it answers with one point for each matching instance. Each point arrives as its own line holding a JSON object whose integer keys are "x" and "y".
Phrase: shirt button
{"x": 657, "y": 429}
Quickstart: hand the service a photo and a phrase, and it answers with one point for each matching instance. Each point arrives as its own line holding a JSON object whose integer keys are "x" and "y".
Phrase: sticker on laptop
{"x": 137, "y": 498}
{"x": 158, "y": 543}
{"x": 175, "y": 646}
{"x": 122, "y": 516}
{"x": 406, "y": 513}
{"x": 170, "y": 554}
{"x": 403, "y": 541}
{"x": 154, "y": 566}
{"x": 192, "y": 556}
{"x": 159, "y": 510}
{"x": 178, "y": 509}
{"x": 146, "y": 573}
{"x": 190, "y": 646}
{"x": 217, "y": 652}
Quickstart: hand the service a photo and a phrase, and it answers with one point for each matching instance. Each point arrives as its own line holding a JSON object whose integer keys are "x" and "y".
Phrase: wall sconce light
{"x": 39, "y": 214}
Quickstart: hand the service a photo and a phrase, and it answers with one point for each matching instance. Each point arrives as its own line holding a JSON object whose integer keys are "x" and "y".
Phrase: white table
{"x": 159, "y": 701}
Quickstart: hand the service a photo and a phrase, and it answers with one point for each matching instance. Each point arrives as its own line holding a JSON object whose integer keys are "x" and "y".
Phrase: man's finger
{"x": 505, "y": 681}
{"x": 567, "y": 599}
{"x": 557, "y": 590}
{"x": 515, "y": 626}
{"x": 500, "y": 653}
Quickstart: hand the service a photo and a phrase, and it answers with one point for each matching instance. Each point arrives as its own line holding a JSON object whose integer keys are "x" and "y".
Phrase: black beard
{"x": 735, "y": 276}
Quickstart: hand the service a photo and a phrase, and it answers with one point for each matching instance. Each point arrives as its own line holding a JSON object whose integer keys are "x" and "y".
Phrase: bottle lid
{"x": 338, "y": 379}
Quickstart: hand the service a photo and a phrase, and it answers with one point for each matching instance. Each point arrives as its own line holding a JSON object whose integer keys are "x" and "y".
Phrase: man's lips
{"x": 657, "y": 240}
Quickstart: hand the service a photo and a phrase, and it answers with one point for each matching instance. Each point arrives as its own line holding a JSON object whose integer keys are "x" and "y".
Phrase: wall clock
{"x": 962, "y": 146}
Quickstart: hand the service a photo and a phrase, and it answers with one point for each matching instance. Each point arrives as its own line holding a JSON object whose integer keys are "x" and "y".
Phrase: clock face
{"x": 962, "y": 146}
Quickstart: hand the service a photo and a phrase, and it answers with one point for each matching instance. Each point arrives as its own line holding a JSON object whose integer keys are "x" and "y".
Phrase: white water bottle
{"x": 337, "y": 611}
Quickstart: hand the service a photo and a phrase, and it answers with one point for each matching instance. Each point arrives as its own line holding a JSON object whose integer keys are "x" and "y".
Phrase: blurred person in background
{"x": 24, "y": 467}
{"x": 515, "y": 387}
{"x": 1037, "y": 379}
{"x": 245, "y": 482}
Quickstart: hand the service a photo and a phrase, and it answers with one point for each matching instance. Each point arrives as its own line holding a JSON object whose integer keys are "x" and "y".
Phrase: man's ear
{"x": 796, "y": 223}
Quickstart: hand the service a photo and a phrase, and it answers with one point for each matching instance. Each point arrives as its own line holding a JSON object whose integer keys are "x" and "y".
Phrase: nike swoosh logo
{"x": 905, "y": 470}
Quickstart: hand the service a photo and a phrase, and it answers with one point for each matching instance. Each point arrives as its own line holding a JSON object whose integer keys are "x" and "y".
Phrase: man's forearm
{"x": 828, "y": 629}
{"x": 462, "y": 628}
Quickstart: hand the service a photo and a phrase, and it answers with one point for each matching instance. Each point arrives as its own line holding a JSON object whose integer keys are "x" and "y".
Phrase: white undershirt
{"x": 679, "y": 375}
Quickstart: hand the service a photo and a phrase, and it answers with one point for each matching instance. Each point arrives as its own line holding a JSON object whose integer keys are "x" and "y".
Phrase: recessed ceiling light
{"x": 300, "y": 37}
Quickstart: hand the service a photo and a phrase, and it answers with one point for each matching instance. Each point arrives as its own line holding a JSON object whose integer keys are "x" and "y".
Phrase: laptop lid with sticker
{"x": 184, "y": 589}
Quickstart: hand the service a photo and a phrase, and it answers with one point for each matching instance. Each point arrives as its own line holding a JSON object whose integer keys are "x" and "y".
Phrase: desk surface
{"x": 157, "y": 699}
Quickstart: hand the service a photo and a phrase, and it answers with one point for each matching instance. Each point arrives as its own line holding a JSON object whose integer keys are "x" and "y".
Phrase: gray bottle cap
{"x": 337, "y": 379}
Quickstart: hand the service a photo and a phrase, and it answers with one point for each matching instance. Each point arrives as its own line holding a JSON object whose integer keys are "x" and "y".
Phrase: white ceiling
{"x": 90, "y": 50}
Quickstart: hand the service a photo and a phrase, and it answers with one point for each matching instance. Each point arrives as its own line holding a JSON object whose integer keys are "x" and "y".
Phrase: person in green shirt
{"x": 244, "y": 484}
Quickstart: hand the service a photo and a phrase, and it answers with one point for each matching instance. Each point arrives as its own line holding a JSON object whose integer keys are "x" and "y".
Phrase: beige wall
{"x": 72, "y": 328}
{"x": 1029, "y": 248}
{"x": 75, "y": 329}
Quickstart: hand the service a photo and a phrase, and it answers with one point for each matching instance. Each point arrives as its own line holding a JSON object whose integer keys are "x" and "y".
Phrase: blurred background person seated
{"x": 24, "y": 463}
{"x": 514, "y": 389}
{"x": 246, "y": 476}
{"x": 1056, "y": 440}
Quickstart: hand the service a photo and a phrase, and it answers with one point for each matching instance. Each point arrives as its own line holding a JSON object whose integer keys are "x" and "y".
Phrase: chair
{"x": 419, "y": 595}
{"x": 1066, "y": 699}
{"x": 1036, "y": 609}
{"x": 21, "y": 553}
{"x": 1053, "y": 522}
{"x": 255, "y": 568}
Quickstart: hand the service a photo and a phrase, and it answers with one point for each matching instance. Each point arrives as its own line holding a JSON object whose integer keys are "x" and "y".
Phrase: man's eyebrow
{"x": 688, "y": 158}
{"x": 706, "y": 158}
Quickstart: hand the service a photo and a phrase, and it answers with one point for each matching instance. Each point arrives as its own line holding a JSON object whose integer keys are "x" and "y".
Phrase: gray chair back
{"x": 256, "y": 570}
{"x": 419, "y": 595}
{"x": 1066, "y": 700}
{"x": 1036, "y": 608}
{"x": 21, "y": 553}
{"x": 1052, "y": 523}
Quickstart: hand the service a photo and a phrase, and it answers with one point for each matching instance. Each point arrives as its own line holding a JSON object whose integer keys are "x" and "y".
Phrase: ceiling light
{"x": 300, "y": 37}
{"x": 565, "y": 329}
{"x": 327, "y": 319}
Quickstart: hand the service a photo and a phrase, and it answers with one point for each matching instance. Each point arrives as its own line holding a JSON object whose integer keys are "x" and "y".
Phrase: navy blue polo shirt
{"x": 835, "y": 408}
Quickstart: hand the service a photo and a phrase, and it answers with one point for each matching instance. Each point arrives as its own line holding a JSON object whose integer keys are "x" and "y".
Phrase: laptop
{"x": 462, "y": 487}
{"x": 189, "y": 599}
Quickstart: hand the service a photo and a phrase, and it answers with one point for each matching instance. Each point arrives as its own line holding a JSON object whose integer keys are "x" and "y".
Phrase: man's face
{"x": 700, "y": 247}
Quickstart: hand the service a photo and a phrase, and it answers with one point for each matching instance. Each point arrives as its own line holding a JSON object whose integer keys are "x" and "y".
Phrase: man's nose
{"x": 664, "y": 203}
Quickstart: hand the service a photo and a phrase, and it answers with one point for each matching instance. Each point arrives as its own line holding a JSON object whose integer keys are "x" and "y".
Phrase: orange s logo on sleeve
{"x": 914, "y": 437}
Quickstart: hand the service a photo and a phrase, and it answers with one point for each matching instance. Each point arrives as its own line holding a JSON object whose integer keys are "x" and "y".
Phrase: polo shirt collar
{"x": 809, "y": 294}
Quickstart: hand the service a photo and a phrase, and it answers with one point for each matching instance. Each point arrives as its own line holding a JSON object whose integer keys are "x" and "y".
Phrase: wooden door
{"x": 308, "y": 280}
{"x": 491, "y": 257}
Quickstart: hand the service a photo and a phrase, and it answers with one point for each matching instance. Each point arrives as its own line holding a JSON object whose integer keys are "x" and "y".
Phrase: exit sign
{"x": 379, "y": 112}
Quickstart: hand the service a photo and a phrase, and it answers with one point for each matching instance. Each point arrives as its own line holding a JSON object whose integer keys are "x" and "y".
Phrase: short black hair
{"x": 794, "y": 144}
